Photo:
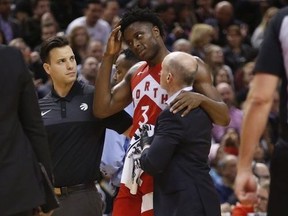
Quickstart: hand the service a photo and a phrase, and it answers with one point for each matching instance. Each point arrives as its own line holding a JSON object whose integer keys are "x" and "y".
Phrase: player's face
{"x": 121, "y": 69}
{"x": 141, "y": 37}
{"x": 62, "y": 66}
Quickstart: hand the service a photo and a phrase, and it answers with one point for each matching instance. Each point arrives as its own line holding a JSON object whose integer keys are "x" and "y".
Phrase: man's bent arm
{"x": 209, "y": 99}
{"x": 211, "y": 102}
{"x": 107, "y": 102}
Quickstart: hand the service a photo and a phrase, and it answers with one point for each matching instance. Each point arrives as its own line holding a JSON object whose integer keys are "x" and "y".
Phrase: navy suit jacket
{"x": 178, "y": 161}
{"x": 23, "y": 140}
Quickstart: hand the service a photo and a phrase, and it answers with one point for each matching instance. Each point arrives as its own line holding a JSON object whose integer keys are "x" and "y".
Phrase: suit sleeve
{"x": 168, "y": 135}
{"x": 30, "y": 118}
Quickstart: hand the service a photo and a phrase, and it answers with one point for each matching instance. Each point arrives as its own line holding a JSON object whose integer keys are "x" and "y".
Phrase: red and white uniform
{"x": 148, "y": 100}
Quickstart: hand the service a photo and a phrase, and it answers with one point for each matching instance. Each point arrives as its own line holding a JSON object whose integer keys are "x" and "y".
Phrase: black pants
{"x": 278, "y": 198}
{"x": 80, "y": 203}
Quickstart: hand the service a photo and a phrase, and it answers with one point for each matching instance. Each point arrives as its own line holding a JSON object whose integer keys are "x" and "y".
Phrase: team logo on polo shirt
{"x": 84, "y": 106}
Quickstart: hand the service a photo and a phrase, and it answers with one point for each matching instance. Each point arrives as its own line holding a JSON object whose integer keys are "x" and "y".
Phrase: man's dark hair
{"x": 130, "y": 56}
{"x": 51, "y": 43}
{"x": 88, "y": 2}
{"x": 141, "y": 15}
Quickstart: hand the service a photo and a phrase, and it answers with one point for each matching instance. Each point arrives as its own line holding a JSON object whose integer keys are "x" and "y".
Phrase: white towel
{"x": 132, "y": 170}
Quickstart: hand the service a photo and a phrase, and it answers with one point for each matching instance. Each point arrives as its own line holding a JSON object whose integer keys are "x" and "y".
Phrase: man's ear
{"x": 156, "y": 31}
{"x": 169, "y": 77}
{"x": 46, "y": 68}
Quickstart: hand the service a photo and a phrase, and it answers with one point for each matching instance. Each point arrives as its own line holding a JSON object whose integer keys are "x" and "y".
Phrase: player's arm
{"x": 205, "y": 96}
{"x": 256, "y": 111}
{"x": 109, "y": 101}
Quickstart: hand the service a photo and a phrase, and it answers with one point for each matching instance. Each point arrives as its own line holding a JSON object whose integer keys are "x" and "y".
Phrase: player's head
{"x": 143, "y": 32}
{"x": 124, "y": 62}
{"x": 141, "y": 15}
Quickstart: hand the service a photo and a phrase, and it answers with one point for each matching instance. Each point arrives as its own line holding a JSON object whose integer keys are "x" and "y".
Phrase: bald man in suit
{"x": 23, "y": 140}
{"x": 177, "y": 156}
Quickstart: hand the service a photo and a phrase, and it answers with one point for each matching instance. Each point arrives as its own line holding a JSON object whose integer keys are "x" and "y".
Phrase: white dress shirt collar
{"x": 172, "y": 97}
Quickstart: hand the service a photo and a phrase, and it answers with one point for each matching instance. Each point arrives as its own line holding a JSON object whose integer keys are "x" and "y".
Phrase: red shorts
{"x": 127, "y": 204}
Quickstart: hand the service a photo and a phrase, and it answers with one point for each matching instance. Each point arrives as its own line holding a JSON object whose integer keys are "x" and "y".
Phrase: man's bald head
{"x": 224, "y": 12}
{"x": 178, "y": 71}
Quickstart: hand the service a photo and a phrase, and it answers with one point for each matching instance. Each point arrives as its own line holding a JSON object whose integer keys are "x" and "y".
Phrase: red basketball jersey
{"x": 148, "y": 97}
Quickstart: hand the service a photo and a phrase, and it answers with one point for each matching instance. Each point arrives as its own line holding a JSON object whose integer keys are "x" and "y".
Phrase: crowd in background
{"x": 227, "y": 35}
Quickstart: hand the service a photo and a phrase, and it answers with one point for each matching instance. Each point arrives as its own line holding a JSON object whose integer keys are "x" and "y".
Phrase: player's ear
{"x": 156, "y": 31}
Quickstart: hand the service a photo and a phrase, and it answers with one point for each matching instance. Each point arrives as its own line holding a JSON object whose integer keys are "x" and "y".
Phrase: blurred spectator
{"x": 260, "y": 153}
{"x": 236, "y": 52}
{"x": 204, "y": 10}
{"x": 258, "y": 34}
{"x": 21, "y": 13}
{"x": 262, "y": 197}
{"x": 185, "y": 17}
{"x": 33, "y": 34}
{"x": 49, "y": 28}
{"x": 111, "y": 12}
{"x": 44, "y": 89}
{"x": 65, "y": 11}
{"x": 228, "y": 170}
{"x": 9, "y": 26}
{"x": 236, "y": 115}
{"x": 48, "y": 18}
{"x": 243, "y": 78}
{"x": 20, "y": 44}
{"x": 216, "y": 154}
{"x": 223, "y": 74}
{"x": 200, "y": 36}
{"x": 224, "y": 17}
{"x": 182, "y": 45}
{"x": 230, "y": 141}
{"x": 173, "y": 30}
{"x": 214, "y": 58}
{"x": 261, "y": 171}
{"x": 79, "y": 40}
{"x": 96, "y": 49}
{"x": 89, "y": 70}
{"x": 32, "y": 60}
{"x": 251, "y": 11}
{"x": 98, "y": 28}
{"x": 40, "y": 7}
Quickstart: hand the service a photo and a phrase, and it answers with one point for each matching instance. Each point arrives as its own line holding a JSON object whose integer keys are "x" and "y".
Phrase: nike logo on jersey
{"x": 44, "y": 113}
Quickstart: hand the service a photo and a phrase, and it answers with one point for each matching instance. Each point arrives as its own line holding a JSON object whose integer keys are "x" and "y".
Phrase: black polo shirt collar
{"x": 76, "y": 89}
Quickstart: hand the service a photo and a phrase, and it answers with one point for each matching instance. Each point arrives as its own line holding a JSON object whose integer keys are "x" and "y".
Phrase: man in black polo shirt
{"x": 75, "y": 135}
